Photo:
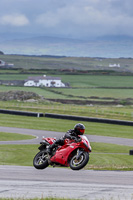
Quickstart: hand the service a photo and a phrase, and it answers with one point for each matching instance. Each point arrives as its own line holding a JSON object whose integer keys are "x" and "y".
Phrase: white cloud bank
{"x": 14, "y": 20}
{"x": 74, "y": 18}
{"x": 88, "y": 19}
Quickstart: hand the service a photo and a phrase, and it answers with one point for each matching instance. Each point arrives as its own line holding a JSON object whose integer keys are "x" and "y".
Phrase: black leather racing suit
{"x": 70, "y": 134}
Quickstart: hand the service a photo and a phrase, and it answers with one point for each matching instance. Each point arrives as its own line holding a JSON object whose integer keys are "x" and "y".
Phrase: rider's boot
{"x": 50, "y": 148}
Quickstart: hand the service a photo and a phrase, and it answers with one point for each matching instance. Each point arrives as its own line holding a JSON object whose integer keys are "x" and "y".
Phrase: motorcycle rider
{"x": 72, "y": 134}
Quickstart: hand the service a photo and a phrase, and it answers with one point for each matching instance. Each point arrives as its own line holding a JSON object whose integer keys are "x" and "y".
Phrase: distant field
{"x": 98, "y": 80}
{"x": 81, "y": 80}
{"x": 84, "y": 86}
{"x": 61, "y": 93}
{"x": 74, "y": 63}
{"x": 94, "y": 92}
{"x": 13, "y": 76}
{"x": 43, "y": 92}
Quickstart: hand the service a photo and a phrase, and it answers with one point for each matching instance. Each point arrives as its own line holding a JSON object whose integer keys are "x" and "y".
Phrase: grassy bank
{"x": 110, "y": 112}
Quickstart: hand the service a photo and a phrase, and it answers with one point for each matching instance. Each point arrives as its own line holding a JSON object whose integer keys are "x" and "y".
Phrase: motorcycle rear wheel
{"x": 40, "y": 160}
{"x": 80, "y": 163}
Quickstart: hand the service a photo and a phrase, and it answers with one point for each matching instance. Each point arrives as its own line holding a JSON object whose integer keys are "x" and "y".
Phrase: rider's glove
{"x": 73, "y": 138}
{"x": 76, "y": 139}
{"x": 79, "y": 139}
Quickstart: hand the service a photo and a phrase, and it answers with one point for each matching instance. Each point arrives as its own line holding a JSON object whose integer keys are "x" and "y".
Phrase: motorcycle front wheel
{"x": 79, "y": 163}
{"x": 40, "y": 160}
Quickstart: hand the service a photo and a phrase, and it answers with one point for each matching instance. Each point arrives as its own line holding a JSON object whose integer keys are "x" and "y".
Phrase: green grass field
{"x": 72, "y": 63}
{"x": 93, "y": 93}
{"x": 97, "y": 80}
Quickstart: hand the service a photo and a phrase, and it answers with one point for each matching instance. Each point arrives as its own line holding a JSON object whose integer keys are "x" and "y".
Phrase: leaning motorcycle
{"x": 73, "y": 154}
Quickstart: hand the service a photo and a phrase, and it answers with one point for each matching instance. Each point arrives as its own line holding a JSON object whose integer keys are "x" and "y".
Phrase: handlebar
{"x": 77, "y": 139}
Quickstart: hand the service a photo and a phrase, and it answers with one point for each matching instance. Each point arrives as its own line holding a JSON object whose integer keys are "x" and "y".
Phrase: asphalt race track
{"x": 28, "y": 182}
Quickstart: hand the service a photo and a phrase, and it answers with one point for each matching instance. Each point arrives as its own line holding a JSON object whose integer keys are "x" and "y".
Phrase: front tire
{"x": 80, "y": 163}
{"x": 40, "y": 160}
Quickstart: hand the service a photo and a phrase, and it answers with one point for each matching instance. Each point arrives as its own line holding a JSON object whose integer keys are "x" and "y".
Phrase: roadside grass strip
{"x": 14, "y": 136}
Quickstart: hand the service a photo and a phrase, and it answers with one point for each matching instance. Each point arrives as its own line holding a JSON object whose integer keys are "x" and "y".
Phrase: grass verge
{"x": 14, "y": 136}
{"x": 110, "y": 157}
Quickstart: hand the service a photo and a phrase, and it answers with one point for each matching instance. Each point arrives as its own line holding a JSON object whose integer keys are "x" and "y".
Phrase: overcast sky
{"x": 67, "y": 18}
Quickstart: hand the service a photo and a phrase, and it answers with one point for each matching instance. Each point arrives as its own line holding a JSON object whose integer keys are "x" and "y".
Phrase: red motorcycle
{"x": 73, "y": 154}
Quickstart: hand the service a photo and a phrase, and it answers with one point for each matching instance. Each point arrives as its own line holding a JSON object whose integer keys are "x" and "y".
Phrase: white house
{"x": 4, "y": 64}
{"x": 114, "y": 65}
{"x": 46, "y": 81}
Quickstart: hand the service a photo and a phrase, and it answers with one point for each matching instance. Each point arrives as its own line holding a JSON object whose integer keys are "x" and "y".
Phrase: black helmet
{"x": 79, "y": 129}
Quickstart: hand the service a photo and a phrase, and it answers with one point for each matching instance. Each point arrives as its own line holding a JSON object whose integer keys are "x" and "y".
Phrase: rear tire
{"x": 80, "y": 163}
{"x": 40, "y": 160}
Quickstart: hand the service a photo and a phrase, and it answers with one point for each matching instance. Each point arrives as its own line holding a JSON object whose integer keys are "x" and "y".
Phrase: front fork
{"x": 79, "y": 152}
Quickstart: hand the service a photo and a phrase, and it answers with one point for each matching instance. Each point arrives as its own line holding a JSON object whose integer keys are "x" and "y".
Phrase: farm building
{"x": 46, "y": 81}
{"x": 114, "y": 65}
{"x": 4, "y": 64}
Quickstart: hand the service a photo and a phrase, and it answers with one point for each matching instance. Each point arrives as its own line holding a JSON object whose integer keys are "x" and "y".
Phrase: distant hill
{"x": 1, "y": 53}
{"x": 107, "y": 46}
{"x": 115, "y": 38}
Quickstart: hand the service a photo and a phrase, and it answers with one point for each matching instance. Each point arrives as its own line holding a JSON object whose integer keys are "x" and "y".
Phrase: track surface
{"x": 27, "y": 182}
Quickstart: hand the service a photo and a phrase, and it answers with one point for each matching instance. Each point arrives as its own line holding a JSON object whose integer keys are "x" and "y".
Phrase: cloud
{"x": 14, "y": 20}
{"x": 87, "y": 17}
{"x": 49, "y": 19}
{"x": 74, "y": 18}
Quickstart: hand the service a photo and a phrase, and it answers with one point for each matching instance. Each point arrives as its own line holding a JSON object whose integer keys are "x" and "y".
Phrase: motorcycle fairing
{"x": 62, "y": 154}
{"x": 49, "y": 140}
